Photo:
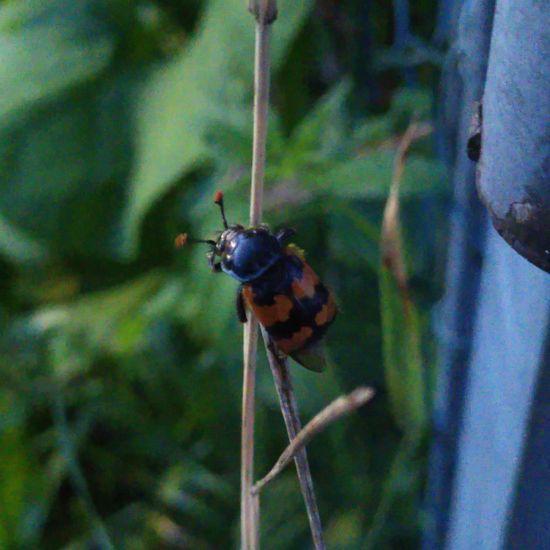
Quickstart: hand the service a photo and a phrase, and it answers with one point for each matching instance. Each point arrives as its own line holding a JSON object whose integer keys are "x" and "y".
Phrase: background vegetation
{"x": 121, "y": 358}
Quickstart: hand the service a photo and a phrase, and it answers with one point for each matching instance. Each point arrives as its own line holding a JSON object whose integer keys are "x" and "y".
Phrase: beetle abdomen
{"x": 291, "y": 303}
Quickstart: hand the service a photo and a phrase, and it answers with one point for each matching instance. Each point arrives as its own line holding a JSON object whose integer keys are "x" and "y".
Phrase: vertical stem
{"x": 249, "y": 517}
{"x": 289, "y": 409}
{"x": 261, "y": 103}
{"x": 265, "y": 12}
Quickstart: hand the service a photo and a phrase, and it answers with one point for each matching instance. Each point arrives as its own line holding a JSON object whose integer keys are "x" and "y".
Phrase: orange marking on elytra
{"x": 305, "y": 287}
{"x": 268, "y": 315}
{"x": 327, "y": 312}
{"x": 296, "y": 341}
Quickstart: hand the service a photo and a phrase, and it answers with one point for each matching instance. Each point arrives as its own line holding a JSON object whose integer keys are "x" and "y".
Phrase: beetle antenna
{"x": 182, "y": 239}
{"x": 218, "y": 199}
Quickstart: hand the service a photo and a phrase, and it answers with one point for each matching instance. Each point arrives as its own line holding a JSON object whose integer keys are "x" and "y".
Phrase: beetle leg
{"x": 215, "y": 267}
{"x": 284, "y": 235}
{"x": 272, "y": 347}
{"x": 210, "y": 257}
{"x": 241, "y": 311}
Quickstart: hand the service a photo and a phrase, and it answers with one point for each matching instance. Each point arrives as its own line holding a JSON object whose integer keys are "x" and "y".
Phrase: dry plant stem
{"x": 249, "y": 516}
{"x": 340, "y": 407}
{"x": 289, "y": 409}
{"x": 392, "y": 254}
{"x": 265, "y": 12}
{"x": 416, "y": 130}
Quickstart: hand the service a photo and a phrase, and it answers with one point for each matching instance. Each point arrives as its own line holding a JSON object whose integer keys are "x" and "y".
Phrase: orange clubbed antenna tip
{"x": 218, "y": 197}
{"x": 180, "y": 240}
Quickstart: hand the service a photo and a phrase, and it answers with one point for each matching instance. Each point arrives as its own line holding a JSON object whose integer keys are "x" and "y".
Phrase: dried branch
{"x": 340, "y": 407}
{"x": 249, "y": 518}
{"x": 265, "y": 12}
{"x": 289, "y": 410}
{"x": 391, "y": 245}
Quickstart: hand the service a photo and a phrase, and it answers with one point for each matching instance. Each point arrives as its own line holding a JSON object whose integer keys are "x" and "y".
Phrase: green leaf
{"x": 403, "y": 362}
{"x": 16, "y": 474}
{"x": 47, "y": 46}
{"x": 17, "y": 246}
{"x": 65, "y": 166}
{"x": 352, "y": 235}
{"x": 207, "y": 82}
{"x": 112, "y": 320}
{"x": 64, "y": 147}
{"x": 230, "y": 141}
{"x": 409, "y": 103}
{"x": 322, "y": 132}
{"x": 369, "y": 177}
{"x": 373, "y": 131}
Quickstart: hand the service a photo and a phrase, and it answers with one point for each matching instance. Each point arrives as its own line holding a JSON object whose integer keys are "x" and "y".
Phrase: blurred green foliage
{"x": 121, "y": 359}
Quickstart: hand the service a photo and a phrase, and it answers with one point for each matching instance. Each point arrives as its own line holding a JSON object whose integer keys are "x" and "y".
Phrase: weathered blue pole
{"x": 514, "y": 169}
{"x": 462, "y": 85}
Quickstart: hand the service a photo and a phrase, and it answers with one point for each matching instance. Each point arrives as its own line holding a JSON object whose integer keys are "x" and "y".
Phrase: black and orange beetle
{"x": 277, "y": 284}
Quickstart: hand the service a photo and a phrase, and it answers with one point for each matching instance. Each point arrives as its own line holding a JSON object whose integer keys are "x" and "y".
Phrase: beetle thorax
{"x": 246, "y": 254}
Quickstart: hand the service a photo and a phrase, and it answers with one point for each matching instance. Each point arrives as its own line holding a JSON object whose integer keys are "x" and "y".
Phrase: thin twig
{"x": 249, "y": 518}
{"x": 393, "y": 258}
{"x": 391, "y": 246}
{"x": 289, "y": 409}
{"x": 265, "y": 12}
{"x": 340, "y": 407}
{"x": 416, "y": 130}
